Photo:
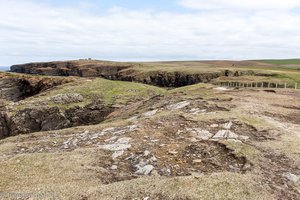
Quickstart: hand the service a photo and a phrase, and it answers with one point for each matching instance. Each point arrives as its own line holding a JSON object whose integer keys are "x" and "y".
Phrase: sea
{"x": 3, "y": 69}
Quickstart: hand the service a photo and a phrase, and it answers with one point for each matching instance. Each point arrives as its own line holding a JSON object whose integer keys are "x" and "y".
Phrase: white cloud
{"x": 241, "y": 4}
{"x": 31, "y": 31}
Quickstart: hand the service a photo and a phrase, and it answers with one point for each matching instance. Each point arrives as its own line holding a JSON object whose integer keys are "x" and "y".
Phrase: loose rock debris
{"x": 187, "y": 159}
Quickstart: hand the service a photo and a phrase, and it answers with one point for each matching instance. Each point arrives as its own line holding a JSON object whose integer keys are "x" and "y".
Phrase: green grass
{"x": 110, "y": 92}
{"x": 282, "y": 62}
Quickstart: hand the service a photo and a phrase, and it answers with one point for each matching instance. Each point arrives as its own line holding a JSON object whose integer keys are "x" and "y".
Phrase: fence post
{"x": 276, "y": 85}
{"x": 269, "y": 85}
{"x": 262, "y": 84}
{"x": 296, "y": 84}
{"x": 284, "y": 85}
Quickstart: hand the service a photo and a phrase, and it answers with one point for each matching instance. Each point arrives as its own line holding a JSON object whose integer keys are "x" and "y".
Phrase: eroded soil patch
{"x": 176, "y": 159}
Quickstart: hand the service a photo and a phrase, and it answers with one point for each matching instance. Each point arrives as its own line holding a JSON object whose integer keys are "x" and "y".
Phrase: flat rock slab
{"x": 150, "y": 113}
{"x": 225, "y": 134}
{"x": 291, "y": 177}
{"x": 199, "y": 133}
{"x": 119, "y": 145}
{"x": 146, "y": 170}
{"x": 179, "y": 105}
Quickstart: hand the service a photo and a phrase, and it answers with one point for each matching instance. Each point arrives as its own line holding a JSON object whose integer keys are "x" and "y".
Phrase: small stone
{"x": 153, "y": 159}
{"x": 146, "y": 153}
{"x": 178, "y": 105}
{"x": 111, "y": 139}
{"x": 197, "y": 161}
{"x": 95, "y": 136}
{"x": 120, "y": 144}
{"x": 134, "y": 118}
{"x": 166, "y": 171}
{"x": 68, "y": 141}
{"x": 228, "y": 125}
{"x": 115, "y": 147}
{"x": 114, "y": 167}
{"x": 214, "y": 125}
{"x": 196, "y": 111}
{"x": 242, "y": 137}
{"x": 200, "y": 134}
{"x": 107, "y": 130}
{"x": 150, "y": 113}
{"x": 247, "y": 166}
{"x": 74, "y": 142}
{"x": 172, "y": 152}
{"x": 117, "y": 154}
{"x": 291, "y": 177}
{"x": 196, "y": 175}
{"x": 146, "y": 170}
{"x": 225, "y": 134}
{"x": 231, "y": 135}
{"x": 123, "y": 140}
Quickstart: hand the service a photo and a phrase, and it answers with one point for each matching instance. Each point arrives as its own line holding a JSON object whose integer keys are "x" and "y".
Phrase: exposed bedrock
{"x": 31, "y": 120}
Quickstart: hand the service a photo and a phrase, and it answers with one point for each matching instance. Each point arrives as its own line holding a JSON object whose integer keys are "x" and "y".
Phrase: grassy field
{"x": 281, "y": 71}
{"x": 282, "y": 62}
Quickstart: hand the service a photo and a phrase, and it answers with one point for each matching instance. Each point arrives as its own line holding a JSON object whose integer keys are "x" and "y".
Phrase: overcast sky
{"x": 135, "y": 30}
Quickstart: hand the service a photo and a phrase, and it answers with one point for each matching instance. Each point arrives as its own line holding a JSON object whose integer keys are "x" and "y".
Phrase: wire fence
{"x": 260, "y": 85}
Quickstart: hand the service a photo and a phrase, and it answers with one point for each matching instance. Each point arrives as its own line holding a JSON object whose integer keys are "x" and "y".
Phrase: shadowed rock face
{"x": 4, "y": 129}
{"x": 176, "y": 79}
{"x": 72, "y": 68}
{"x": 124, "y": 72}
{"x": 15, "y": 88}
{"x": 46, "y": 119}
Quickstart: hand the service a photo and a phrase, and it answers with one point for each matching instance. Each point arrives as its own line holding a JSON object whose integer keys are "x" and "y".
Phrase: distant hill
{"x": 282, "y": 62}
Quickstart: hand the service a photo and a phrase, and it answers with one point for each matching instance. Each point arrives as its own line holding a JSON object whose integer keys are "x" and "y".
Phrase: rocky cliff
{"x": 44, "y": 118}
{"x": 126, "y": 72}
{"x": 71, "y": 68}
